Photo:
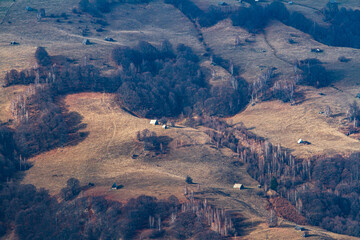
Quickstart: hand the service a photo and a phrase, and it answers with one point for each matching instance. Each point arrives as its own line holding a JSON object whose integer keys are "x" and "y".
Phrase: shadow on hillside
{"x": 244, "y": 228}
{"x": 336, "y": 75}
{"x": 74, "y": 122}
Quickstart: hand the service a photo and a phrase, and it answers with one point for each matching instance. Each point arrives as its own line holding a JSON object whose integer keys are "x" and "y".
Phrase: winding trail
{"x": 302, "y": 5}
{"x": 274, "y": 50}
{"x": 7, "y": 12}
{"x": 107, "y": 106}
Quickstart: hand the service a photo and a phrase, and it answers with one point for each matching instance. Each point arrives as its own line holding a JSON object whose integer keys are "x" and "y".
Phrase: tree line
{"x": 33, "y": 214}
{"x": 324, "y": 189}
{"x": 204, "y": 18}
{"x": 98, "y": 7}
{"x": 167, "y": 82}
{"x": 341, "y": 32}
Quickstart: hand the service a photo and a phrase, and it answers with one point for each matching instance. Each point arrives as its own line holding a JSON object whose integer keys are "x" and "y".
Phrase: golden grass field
{"x": 105, "y": 156}
{"x": 66, "y": 38}
{"x": 281, "y": 122}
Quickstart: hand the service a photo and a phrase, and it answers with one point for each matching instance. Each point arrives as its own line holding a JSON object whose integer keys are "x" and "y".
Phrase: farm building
{"x": 154, "y": 122}
{"x": 86, "y": 42}
{"x": 300, "y": 141}
{"x": 238, "y": 186}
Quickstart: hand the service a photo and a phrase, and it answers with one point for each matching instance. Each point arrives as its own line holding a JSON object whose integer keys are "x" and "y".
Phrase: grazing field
{"x": 111, "y": 153}
{"x": 253, "y": 55}
{"x": 283, "y": 123}
{"x": 106, "y": 156}
{"x": 64, "y": 36}
{"x": 5, "y": 5}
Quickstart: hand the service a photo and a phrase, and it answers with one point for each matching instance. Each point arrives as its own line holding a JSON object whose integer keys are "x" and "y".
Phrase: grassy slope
{"x": 282, "y": 123}
{"x": 105, "y": 155}
{"x": 66, "y": 39}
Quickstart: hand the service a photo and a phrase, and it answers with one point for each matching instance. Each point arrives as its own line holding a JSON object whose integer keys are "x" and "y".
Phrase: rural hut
{"x": 86, "y": 42}
{"x": 114, "y": 186}
{"x": 164, "y": 126}
{"x": 238, "y": 186}
{"x": 154, "y": 122}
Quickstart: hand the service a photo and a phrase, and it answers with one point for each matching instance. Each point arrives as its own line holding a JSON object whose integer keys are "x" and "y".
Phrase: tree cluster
{"x": 42, "y": 57}
{"x": 204, "y": 18}
{"x": 342, "y": 30}
{"x": 33, "y": 214}
{"x": 10, "y": 162}
{"x": 331, "y": 201}
{"x": 313, "y": 73}
{"x": 95, "y": 7}
{"x": 152, "y": 142}
{"x": 41, "y": 124}
{"x": 98, "y": 7}
{"x": 162, "y": 82}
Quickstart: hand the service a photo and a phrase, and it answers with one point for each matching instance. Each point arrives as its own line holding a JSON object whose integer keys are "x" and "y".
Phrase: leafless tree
{"x": 353, "y": 113}
{"x": 284, "y": 90}
{"x": 272, "y": 218}
{"x": 237, "y": 41}
{"x": 327, "y": 111}
{"x": 259, "y": 87}
{"x": 151, "y": 222}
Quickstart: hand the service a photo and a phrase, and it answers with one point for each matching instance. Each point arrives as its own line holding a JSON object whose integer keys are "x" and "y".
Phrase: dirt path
{"x": 7, "y": 12}
{"x": 274, "y": 50}
{"x": 302, "y": 5}
{"x": 107, "y": 107}
{"x": 95, "y": 40}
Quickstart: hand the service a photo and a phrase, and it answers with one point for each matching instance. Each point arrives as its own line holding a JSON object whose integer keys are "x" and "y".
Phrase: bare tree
{"x": 259, "y": 87}
{"x": 353, "y": 113}
{"x": 237, "y": 41}
{"x": 284, "y": 90}
{"x": 327, "y": 111}
{"x": 272, "y": 218}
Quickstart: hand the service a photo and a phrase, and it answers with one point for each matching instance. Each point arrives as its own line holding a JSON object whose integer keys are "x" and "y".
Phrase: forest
{"x": 332, "y": 202}
{"x": 341, "y": 32}
{"x": 173, "y": 83}
{"x": 34, "y": 214}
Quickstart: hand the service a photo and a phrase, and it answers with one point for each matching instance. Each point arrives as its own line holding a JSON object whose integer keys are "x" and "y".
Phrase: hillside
{"x": 110, "y": 150}
{"x": 268, "y": 119}
{"x": 105, "y": 156}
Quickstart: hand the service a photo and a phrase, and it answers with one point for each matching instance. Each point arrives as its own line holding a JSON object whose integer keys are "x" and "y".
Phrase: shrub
{"x": 189, "y": 180}
{"x": 42, "y": 57}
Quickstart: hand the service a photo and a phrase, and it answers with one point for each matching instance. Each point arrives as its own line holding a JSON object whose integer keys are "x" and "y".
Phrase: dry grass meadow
{"x": 128, "y": 25}
{"x": 280, "y": 122}
{"x": 106, "y": 154}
